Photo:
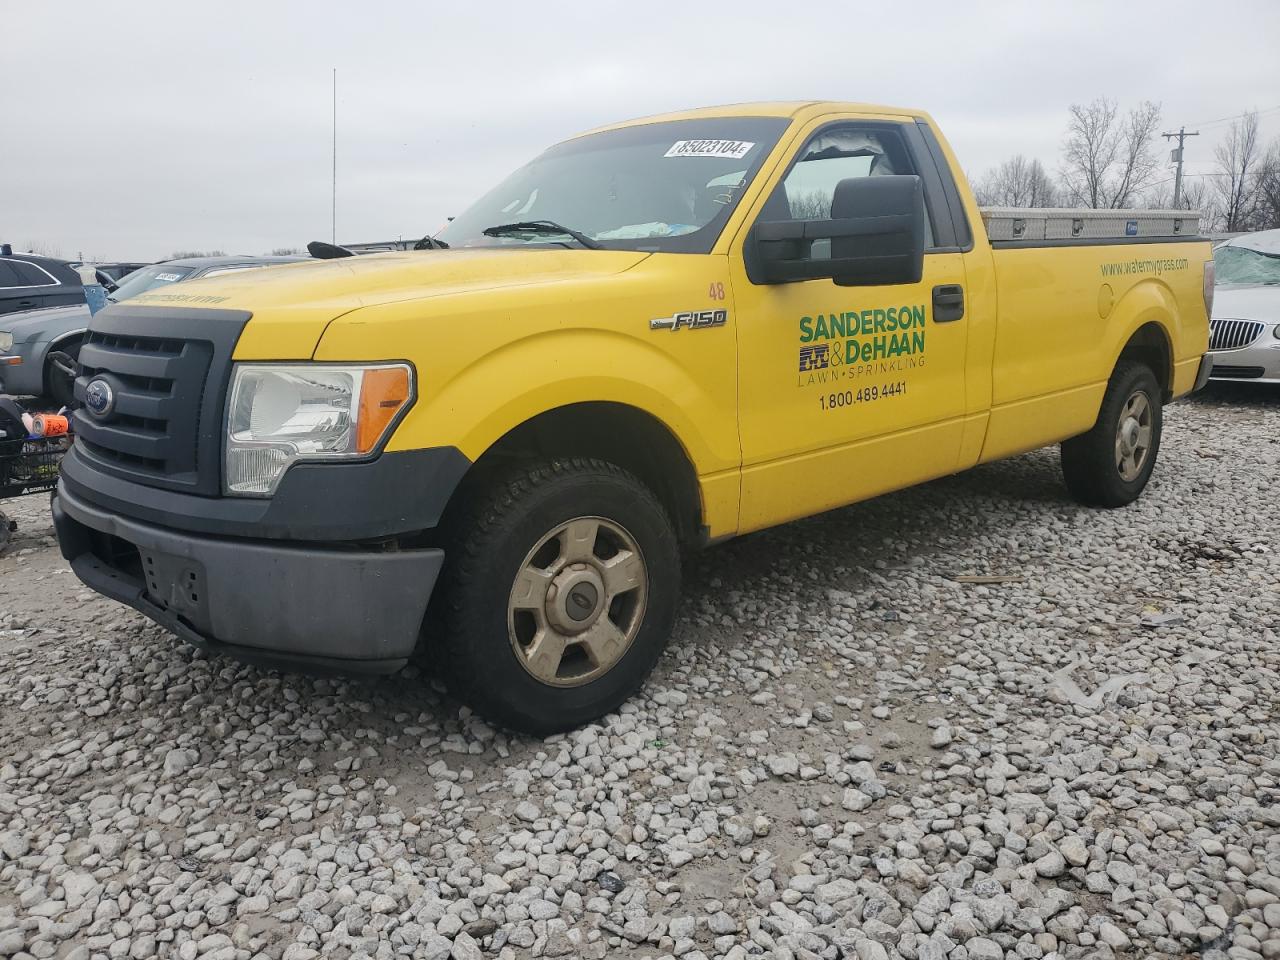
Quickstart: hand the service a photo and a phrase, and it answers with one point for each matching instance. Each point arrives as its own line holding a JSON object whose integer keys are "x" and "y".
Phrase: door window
{"x": 831, "y": 155}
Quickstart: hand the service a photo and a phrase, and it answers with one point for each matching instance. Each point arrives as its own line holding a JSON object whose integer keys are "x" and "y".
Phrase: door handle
{"x": 948, "y": 302}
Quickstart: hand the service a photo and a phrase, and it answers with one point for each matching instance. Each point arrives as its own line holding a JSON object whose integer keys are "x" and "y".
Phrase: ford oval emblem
{"x": 99, "y": 397}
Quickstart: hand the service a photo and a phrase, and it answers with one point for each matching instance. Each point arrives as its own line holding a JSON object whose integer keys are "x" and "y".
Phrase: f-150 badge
{"x": 694, "y": 320}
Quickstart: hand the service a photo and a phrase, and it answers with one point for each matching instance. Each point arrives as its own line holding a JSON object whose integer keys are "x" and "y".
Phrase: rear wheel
{"x": 1110, "y": 465}
{"x": 560, "y": 591}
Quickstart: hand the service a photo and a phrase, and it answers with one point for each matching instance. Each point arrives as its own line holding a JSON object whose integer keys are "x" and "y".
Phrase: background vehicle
{"x": 652, "y": 337}
{"x": 115, "y": 272}
{"x": 28, "y": 340}
{"x": 1245, "y": 341}
{"x": 28, "y": 282}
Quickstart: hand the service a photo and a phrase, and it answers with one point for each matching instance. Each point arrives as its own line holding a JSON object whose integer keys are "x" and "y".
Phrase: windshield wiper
{"x": 430, "y": 243}
{"x": 541, "y": 227}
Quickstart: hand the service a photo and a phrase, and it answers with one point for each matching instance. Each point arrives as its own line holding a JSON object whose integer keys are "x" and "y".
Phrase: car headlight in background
{"x": 280, "y": 414}
{"x": 6, "y": 341}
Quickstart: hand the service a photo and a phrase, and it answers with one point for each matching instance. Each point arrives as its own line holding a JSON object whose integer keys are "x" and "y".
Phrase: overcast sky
{"x": 133, "y": 130}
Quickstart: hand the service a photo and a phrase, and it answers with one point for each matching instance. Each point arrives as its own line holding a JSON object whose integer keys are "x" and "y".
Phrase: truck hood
{"x": 1247, "y": 301}
{"x": 292, "y": 304}
{"x": 45, "y": 323}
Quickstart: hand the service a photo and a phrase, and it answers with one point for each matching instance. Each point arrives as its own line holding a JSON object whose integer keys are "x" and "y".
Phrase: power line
{"x": 1237, "y": 116}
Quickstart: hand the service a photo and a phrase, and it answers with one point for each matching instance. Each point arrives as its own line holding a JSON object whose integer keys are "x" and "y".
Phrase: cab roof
{"x": 794, "y": 109}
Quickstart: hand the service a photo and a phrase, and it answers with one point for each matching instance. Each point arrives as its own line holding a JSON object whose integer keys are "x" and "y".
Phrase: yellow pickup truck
{"x": 654, "y": 336}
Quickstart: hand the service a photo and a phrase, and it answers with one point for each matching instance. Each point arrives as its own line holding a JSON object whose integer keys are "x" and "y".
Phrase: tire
{"x": 1110, "y": 465}
{"x": 498, "y": 647}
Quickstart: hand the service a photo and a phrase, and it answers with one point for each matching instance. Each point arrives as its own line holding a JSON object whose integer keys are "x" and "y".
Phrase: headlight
{"x": 6, "y": 341}
{"x": 280, "y": 414}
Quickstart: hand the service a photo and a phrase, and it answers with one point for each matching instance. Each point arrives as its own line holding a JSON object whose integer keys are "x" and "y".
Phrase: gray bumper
{"x": 288, "y": 604}
{"x": 1259, "y": 363}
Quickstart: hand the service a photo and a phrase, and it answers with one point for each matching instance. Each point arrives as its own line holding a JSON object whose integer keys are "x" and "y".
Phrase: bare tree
{"x": 1018, "y": 182}
{"x": 1108, "y": 159}
{"x": 42, "y": 249}
{"x": 1238, "y": 167}
{"x": 192, "y": 254}
{"x": 1267, "y": 193}
{"x": 284, "y": 251}
{"x": 810, "y": 205}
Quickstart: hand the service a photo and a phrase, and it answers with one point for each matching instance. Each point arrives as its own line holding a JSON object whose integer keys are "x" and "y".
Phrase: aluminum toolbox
{"x": 1051, "y": 223}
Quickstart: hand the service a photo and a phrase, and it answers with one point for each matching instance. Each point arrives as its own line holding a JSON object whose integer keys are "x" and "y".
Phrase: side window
{"x": 8, "y": 275}
{"x": 29, "y": 275}
{"x": 831, "y": 155}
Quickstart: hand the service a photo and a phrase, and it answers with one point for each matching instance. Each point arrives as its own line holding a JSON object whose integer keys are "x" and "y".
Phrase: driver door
{"x": 846, "y": 392}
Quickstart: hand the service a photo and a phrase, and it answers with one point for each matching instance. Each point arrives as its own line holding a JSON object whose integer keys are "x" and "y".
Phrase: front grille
{"x": 167, "y": 371}
{"x": 155, "y": 421}
{"x": 1233, "y": 334}
{"x": 1225, "y": 371}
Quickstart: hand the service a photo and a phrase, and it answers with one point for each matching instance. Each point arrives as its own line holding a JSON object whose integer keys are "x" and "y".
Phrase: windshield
{"x": 148, "y": 278}
{"x": 1232, "y": 264}
{"x": 657, "y": 186}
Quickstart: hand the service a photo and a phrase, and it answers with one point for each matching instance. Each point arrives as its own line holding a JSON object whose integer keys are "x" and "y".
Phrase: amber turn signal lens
{"x": 383, "y": 393}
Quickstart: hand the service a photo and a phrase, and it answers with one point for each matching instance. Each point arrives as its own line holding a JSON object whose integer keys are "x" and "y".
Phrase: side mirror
{"x": 876, "y": 235}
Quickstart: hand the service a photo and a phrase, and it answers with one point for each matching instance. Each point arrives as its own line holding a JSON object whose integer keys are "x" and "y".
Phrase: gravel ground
{"x": 851, "y": 749}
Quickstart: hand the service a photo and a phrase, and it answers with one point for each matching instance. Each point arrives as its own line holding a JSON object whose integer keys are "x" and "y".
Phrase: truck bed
{"x": 1039, "y": 224}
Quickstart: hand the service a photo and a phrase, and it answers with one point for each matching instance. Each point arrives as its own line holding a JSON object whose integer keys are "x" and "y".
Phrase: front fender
{"x": 512, "y": 384}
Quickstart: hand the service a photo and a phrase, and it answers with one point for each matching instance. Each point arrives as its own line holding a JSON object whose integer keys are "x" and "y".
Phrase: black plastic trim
{"x": 1093, "y": 242}
{"x": 963, "y": 229}
{"x": 398, "y": 493}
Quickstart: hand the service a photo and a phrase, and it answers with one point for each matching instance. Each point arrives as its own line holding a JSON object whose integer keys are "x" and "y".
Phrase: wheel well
{"x": 64, "y": 341}
{"x": 1150, "y": 345}
{"x": 626, "y": 436}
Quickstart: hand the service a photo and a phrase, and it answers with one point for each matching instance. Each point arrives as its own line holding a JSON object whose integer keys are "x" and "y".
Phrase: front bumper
{"x": 342, "y": 607}
{"x": 1259, "y": 363}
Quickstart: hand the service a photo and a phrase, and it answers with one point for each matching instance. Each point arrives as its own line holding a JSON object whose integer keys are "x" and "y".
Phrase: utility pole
{"x": 1176, "y": 157}
{"x": 333, "y": 213}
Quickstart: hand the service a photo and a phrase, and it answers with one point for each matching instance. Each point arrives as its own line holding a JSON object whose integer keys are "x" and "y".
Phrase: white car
{"x": 1244, "y": 338}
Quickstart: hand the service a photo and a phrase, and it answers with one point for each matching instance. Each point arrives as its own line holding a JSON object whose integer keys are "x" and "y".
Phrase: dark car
{"x": 28, "y": 282}
{"x": 115, "y": 272}
{"x": 38, "y": 348}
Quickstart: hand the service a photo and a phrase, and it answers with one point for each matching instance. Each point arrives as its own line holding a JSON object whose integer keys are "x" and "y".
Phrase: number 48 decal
{"x": 716, "y": 291}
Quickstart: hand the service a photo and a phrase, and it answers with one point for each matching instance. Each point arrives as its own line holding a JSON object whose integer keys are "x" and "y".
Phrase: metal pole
{"x": 333, "y": 213}
{"x": 1177, "y": 155}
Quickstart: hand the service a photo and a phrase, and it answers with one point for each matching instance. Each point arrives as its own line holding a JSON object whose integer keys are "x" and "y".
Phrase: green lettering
{"x": 891, "y": 319}
{"x": 878, "y": 314}
{"x": 806, "y": 329}
{"x": 836, "y": 324}
{"x": 917, "y": 342}
{"x": 917, "y": 316}
{"x": 866, "y": 322}
{"x": 866, "y": 353}
{"x": 820, "y": 329}
{"x": 851, "y": 351}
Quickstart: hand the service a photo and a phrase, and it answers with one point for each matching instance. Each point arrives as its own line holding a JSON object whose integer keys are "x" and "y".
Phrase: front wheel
{"x": 1110, "y": 465}
{"x": 560, "y": 588}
